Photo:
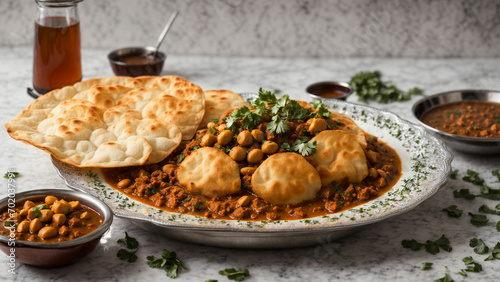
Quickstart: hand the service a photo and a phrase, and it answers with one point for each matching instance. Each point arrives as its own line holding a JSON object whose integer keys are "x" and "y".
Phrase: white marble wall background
{"x": 281, "y": 28}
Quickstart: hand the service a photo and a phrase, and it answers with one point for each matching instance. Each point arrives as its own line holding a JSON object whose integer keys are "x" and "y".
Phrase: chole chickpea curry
{"x": 50, "y": 220}
{"x": 167, "y": 143}
{"x": 274, "y": 159}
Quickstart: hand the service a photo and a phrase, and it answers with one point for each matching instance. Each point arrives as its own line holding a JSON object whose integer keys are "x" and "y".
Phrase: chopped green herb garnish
{"x": 196, "y": 148}
{"x": 129, "y": 256}
{"x": 495, "y": 253}
{"x": 497, "y": 174}
{"x": 486, "y": 209}
{"x": 187, "y": 199}
{"x": 11, "y": 174}
{"x": 446, "y": 278}
{"x": 498, "y": 226}
{"x": 168, "y": 260}
{"x": 181, "y": 157}
{"x": 479, "y": 246}
{"x": 152, "y": 190}
{"x": 7, "y": 223}
{"x": 36, "y": 211}
{"x": 197, "y": 206}
{"x": 453, "y": 174}
{"x": 472, "y": 266}
{"x": 431, "y": 247}
{"x": 43, "y": 207}
{"x": 464, "y": 194}
{"x": 304, "y": 148}
{"x": 236, "y": 275}
{"x": 473, "y": 177}
{"x": 426, "y": 265}
{"x": 130, "y": 242}
{"x": 453, "y": 211}
{"x": 478, "y": 219}
{"x": 215, "y": 120}
{"x": 369, "y": 86}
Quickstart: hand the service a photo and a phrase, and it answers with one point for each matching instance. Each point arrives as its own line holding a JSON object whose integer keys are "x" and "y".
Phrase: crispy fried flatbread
{"x": 346, "y": 124}
{"x": 210, "y": 172}
{"x": 286, "y": 178}
{"x": 217, "y": 102}
{"x": 339, "y": 157}
{"x": 112, "y": 122}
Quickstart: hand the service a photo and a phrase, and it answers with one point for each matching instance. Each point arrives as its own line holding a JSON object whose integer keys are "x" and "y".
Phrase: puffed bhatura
{"x": 279, "y": 183}
{"x": 339, "y": 157}
{"x": 209, "y": 172}
{"x": 217, "y": 102}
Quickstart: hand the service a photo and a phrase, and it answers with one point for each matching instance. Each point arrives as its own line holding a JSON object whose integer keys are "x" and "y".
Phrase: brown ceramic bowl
{"x": 131, "y": 61}
{"x": 50, "y": 255}
{"x": 329, "y": 90}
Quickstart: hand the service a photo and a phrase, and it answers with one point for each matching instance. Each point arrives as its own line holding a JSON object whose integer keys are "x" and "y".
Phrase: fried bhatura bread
{"x": 112, "y": 122}
{"x": 217, "y": 102}
{"x": 286, "y": 178}
{"x": 210, "y": 172}
{"x": 339, "y": 157}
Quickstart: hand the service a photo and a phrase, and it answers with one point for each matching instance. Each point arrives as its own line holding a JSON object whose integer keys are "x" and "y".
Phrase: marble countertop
{"x": 374, "y": 254}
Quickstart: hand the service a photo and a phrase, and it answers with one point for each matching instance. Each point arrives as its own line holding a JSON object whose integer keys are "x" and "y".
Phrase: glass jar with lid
{"x": 56, "y": 46}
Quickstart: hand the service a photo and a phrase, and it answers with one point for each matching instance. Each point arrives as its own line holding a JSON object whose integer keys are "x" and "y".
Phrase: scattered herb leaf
{"x": 478, "y": 219}
{"x": 426, "y": 265}
{"x": 130, "y": 242}
{"x": 127, "y": 255}
{"x": 479, "y": 246}
{"x": 495, "y": 253}
{"x": 473, "y": 177}
{"x": 464, "y": 194}
{"x": 168, "y": 260}
{"x": 453, "y": 211}
{"x": 236, "y": 275}
{"x": 11, "y": 174}
{"x": 453, "y": 174}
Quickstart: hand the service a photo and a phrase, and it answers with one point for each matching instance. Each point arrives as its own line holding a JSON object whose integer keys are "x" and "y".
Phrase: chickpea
{"x": 35, "y": 225}
{"x": 211, "y": 124}
{"x": 255, "y": 156}
{"x": 23, "y": 227}
{"x": 168, "y": 168}
{"x": 49, "y": 200}
{"x": 208, "y": 140}
{"x": 85, "y": 215}
{"x": 28, "y": 204}
{"x": 317, "y": 125}
{"x": 61, "y": 207}
{"x": 258, "y": 135}
{"x": 45, "y": 215}
{"x": 245, "y": 138}
{"x": 64, "y": 230}
{"x": 247, "y": 170}
{"x": 238, "y": 154}
{"x": 47, "y": 232}
{"x": 24, "y": 213}
{"x": 222, "y": 127}
{"x": 225, "y": 137}
{"x": 124, "y": 183}
{"x": 74, "y": 205}
{"x": 143, "y": 173}
{"x": 31, "y": 214}
{"x": 58, "y": 219}
{"x": 270, "y": 147}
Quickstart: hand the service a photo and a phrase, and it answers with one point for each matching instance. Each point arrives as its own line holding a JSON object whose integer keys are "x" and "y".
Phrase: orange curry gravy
{"x": 471, "y": 118}
{"x": 159, "y": 188}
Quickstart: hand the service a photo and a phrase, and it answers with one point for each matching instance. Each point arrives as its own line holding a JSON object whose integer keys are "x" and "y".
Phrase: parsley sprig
{"x": 131, "y": 244}
{"x": 236, "y": 275}
{"x": 169, "y": 261}
{"x": 431, "y": 247}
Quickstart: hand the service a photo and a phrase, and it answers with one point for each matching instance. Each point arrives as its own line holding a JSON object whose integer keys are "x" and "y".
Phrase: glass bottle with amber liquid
{"x": 56, "y": 52}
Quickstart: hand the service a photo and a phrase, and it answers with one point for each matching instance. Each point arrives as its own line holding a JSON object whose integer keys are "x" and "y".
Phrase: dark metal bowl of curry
{"x": 51, "y": 227}
{"x": 466, "y": 120}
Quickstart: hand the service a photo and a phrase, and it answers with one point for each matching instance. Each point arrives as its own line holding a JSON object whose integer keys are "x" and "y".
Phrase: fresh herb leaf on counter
{"x": 497, "y": 174}
{"x": 431, "y": 247}
{"x": 369, "y": 86}
{"x": 236, "y": 275}
{"x": 479, "y": 246}
{"x": 478, "y": 219}
{"x": 498, "y": 226}
{"x": 453, "y": 174}
{"x": 464, "y": 194}
{"x": 453, "y": 211}
{"x": 127, "y": 255}
{"x": 446, "y": 278}
{"x": 426, "y": 265}
{"x": 130, "y": 242}
{"x": 473, "y": 177}
{"x": 168, "y": 260}
{"x": 486, "y": 209}
{"x": 472, "y": 266}
{"x": 211, "y": 280}
{"x": 11, "y": 174}
{"x": 495, "y": 253}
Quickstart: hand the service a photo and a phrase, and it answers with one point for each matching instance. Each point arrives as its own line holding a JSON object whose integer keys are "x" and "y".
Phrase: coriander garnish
{"x": 478, "y": 219}
{"x": 11, "y": 174}
{"x": 479, "y": 246}
{"x": 426, "y": 265}
{"x": 169, "y": 261}
{"x": 431, "y": 247}
{"x": 495, "y": 253}
{"x": 453, "y": 211}
{"x": 131, "y": 243}
{"x": 236, "y": 275}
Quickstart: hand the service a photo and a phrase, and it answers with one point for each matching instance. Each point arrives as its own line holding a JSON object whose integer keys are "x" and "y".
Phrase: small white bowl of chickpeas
{"x": 52, "y": 227}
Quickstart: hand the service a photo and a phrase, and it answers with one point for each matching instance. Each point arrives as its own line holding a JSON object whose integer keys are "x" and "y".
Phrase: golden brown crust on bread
{"x": 217, "y": 102}
{"x": 286, "y": 178}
